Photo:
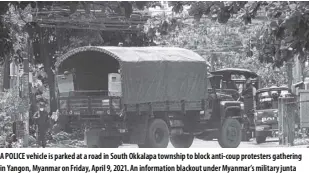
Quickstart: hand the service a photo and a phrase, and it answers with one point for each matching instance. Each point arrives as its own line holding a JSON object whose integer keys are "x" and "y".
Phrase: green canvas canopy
{"x": 150, "y": 74}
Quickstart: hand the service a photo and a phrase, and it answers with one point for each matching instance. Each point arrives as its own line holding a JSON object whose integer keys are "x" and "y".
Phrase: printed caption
{"x": 134, "y": 162}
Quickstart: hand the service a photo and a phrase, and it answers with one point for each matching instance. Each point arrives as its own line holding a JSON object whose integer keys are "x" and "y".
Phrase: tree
{"x": 61, "y": 40}
{"x": 110, "y": 8}
{"x": 228, "y": 44}
{"x": 285, "y": 36}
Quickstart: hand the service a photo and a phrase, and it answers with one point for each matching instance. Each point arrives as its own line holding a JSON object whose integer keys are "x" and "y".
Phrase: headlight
{"x": 259, "y": 128}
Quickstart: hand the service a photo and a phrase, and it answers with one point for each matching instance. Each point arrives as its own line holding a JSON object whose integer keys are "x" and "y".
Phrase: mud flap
{"x": 139, "y": 131}
{"x": 91, "y": 138}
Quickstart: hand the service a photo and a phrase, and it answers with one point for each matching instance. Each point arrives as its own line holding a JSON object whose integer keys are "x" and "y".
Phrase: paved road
{"x": 214, "y": 144}
{"x": 270, "y": 143}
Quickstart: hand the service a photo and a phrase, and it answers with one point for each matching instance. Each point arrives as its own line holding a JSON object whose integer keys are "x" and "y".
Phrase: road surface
{"x": 270, "y": 143}
{"x": 214, "y": 144}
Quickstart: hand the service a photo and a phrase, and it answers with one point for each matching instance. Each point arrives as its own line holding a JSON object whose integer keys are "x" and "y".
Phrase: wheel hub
{"x": 158, "y": 135}
{"x": 231, "y": 133}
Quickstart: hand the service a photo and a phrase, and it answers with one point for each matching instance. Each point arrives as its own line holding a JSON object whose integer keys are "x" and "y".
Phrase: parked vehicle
{"x": 266, "y": 114}
{"x": 144, "y": 95}
{"x": 236, "y": 78}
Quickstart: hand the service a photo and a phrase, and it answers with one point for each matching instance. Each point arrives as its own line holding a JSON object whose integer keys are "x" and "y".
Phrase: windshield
{"x": 214, "y": 81}
{"x": 269, "y": 99}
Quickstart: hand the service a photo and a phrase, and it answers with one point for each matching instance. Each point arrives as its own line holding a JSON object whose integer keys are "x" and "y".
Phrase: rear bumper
{"x": 103, "y": 132}
{"x": 93, "y": 136}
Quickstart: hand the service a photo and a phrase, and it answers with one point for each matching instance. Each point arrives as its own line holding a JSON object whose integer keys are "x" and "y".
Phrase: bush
{"x": 11, "y": 107}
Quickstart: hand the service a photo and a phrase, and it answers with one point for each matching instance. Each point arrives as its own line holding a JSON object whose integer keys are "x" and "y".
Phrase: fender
{"x": 233, "y": 108}
{"x": 226, "y": 106}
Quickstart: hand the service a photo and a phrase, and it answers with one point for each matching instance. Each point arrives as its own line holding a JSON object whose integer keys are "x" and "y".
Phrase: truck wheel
{"x": 230, "y": 133}
{"x": 182, "y": 141}
{"x": 260, "y": 139}
{"x": 157, "y": 135}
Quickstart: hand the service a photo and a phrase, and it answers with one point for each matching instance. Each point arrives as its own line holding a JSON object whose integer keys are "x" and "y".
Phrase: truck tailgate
{"x": 89, "y": 107}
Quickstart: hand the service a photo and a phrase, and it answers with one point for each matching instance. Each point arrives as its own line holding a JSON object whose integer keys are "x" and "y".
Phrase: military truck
{"x": 266, "y": 114}
{"x": 238, "y": 76}
{"x": 143, "y": 95}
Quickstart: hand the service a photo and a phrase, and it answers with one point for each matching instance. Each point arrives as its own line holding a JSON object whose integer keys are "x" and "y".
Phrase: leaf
{"x": 178, "y": 7}
{"x": 292, "y": 6}
{"x": 294, "y": 44}
{"x": 140, "y": 4}
{"x": 289, "y": 39}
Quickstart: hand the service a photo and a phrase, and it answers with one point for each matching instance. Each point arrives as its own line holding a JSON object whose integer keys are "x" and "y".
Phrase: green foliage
{"x": 5, "y": 41}
{"x": 227, "y": 44}
{"x": 15, "y": 20}
{"x": 218, "y": 10}
{"x": 287, "y": 34}
{"x": 11, "y": 103}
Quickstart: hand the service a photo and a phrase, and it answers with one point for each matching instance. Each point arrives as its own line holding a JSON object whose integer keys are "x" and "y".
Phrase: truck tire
{"x": 230, "y": 133}
{"x": 182, "y": 141}
{"x": 260, "y": 139}
{"x": 157, "y": 135}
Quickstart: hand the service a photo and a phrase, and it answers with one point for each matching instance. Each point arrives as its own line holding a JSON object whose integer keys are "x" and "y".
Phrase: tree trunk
{"x": 50, "y": 75}
{"x": 26, "y": 99}
{"x": 6, "y": 73}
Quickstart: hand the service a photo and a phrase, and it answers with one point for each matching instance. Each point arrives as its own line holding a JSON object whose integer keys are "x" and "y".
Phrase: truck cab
{"x": 236, "y": 78}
